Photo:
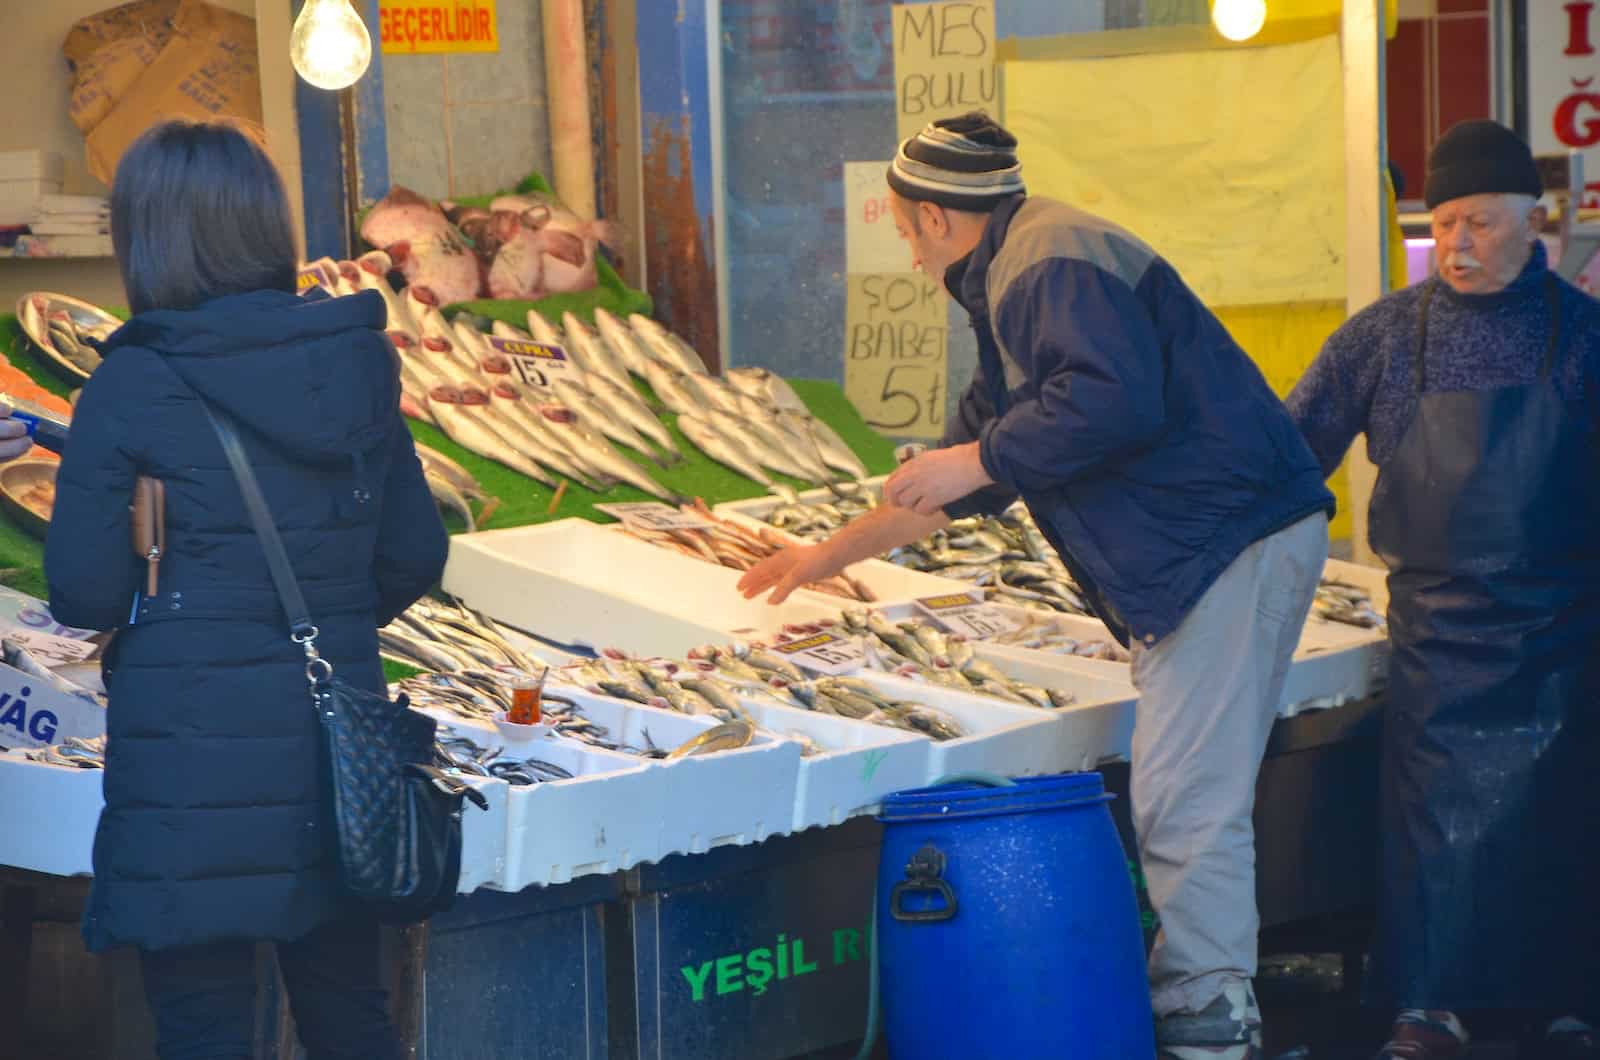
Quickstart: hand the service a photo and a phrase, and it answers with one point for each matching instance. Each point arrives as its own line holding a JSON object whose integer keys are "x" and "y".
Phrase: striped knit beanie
{"x": 963, "y": 163}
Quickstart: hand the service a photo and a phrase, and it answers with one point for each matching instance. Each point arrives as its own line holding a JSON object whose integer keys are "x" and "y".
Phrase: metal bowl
{"x": 16, "y": 479}
{"x": 34, "y": 319}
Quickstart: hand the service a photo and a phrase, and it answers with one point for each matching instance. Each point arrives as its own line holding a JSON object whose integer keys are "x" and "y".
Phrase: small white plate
{"x": 513, "y": 733}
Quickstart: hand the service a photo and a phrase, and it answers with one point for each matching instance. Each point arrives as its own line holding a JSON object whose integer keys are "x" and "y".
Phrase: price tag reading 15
{"x": 824, "y": 653}
{"x": 533, "y": 361}
{"x": 968, "y": 615}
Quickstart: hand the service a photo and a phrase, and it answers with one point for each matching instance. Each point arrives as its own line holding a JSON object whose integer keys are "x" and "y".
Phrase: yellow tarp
{"x": 1229, "y": 163}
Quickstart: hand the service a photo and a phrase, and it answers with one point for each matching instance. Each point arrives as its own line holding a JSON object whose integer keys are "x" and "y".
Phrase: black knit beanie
{"x": 963, "y": 163}
{"x": 1477, "y": 158}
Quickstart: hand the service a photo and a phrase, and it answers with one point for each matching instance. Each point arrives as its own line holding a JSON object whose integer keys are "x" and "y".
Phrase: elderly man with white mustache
{"x": 1479, "y": 393}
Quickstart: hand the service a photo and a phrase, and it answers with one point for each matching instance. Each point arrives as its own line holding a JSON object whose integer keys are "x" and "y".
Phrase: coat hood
{"x": 314, "y": 375}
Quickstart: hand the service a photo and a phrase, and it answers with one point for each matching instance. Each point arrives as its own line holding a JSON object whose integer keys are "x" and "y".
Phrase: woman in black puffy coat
{"x": 212, "y": 834}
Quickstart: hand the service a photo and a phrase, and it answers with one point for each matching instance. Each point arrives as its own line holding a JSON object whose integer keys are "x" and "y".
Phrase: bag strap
{"x": 301, "y": 629}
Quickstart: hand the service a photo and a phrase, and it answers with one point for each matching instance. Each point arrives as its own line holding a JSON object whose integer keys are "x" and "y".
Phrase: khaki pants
{"x": 1208, "y": 696}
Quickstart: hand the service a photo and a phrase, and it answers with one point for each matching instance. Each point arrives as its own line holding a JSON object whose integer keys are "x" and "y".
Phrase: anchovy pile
{"x": 1338, "y": 601}
{"x": 450, "y": 637}
{"x": 713, "y": 678}
{"x": 460, "y": 753}
{"x": 739, "y": 547}
{"x": 921, "y": 651}
{"x": 74, "y": 751}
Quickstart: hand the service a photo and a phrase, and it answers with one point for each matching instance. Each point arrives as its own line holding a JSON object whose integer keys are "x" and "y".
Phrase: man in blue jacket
{"x": 1171, "y": 480}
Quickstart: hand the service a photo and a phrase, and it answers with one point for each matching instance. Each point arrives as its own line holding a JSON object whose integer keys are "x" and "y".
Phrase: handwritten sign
{"x": 896, "y": 351}
{"x": 871, "y": 242}
{"x": 824, "y": 653}
{"x": 421, "y": 27}
{"x": 653, "y": 515}
{"x": 1563, "y": 92}
{"x": 968, "y": 615}
{"x": 943, "y": 62}
{"x": 532, "y": 361}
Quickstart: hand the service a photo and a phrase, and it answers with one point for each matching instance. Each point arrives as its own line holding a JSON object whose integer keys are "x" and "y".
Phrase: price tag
{"x": 653, "y": 515}
{"x": 50, "y": 649}
{"x": 824, "y": 653}
{"x": 308, "y": 279}
{"x": 968, "y": 615}
{"x": 533, "y": 361}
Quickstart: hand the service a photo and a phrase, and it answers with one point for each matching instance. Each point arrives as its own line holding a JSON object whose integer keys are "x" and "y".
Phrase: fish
{"x": 728, "y": 453}
{"x": 521, "y": 420}
{"x": 450, "y": 498}
{"x": 769, "y": 454}
{"x": 625, "y": 402}
{"x": 598, "y": 453}
{"x": 543, "y": 331}
{"x": 591, "y": 410}
{"x": 767, "y": 386}
{"x": 396, "y": 643}
{"x": 667, "y": 382}
{"x": 460, "y": 414}
{"x": 667, "y": 346}
{"x": 567, "y": 242}
{"x": 502, "y": 330}
{"x": 624, "y": 342}
{"x": 67, "y": 339}
{"x": 19, "y": 657}
{"x": 729, "y": 736}
{"x": 372, "y": 274}
{"x": 831, "y": 449}
{"x": 595, "y": 355}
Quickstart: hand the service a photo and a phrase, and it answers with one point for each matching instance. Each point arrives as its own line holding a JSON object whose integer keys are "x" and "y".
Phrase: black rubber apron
{"x": 1486, "y": 516}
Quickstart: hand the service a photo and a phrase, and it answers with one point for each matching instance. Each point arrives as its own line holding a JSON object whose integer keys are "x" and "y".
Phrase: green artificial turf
{"x": 522, "y": 501}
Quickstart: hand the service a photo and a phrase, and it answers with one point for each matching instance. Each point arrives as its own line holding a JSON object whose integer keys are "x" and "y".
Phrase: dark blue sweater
{"x": 1363, "y": 380}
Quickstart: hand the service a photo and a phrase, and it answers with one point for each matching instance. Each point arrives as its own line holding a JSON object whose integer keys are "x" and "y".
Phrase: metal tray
{"x": 36, "y": 327}
{"x": 16, "y": 478}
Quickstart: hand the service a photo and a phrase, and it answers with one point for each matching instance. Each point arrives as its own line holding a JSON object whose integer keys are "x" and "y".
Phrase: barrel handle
{"x": 924, "y": 875}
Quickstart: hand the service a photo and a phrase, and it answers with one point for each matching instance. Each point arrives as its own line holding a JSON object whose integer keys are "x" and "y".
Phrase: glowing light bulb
{"x": 1239, "y": 19}
{"x": 330, "y": 46}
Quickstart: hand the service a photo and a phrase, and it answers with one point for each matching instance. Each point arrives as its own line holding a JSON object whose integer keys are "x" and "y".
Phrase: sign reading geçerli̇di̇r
{"x": 425, "y": 27}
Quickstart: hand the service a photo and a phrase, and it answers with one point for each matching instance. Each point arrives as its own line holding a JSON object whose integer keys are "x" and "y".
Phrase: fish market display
{"x": 1338, "y": 601}
{"x": 450, "y": 637}
{"x": 713, "y": 679}
{"x": 74, "y": 752}
{"x": 522, "y": 246}
{"x": 738, "y": 547}
{"x": 921, "y": 651}
{"x": 480, "y": 695}
{"x": 573, "y": 414}
{"x": 1007, "y": 555}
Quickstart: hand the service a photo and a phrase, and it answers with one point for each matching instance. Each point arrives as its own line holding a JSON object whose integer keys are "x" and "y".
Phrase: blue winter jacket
{"x": 213, "y": 826}
{"x": 1145, "y": 442}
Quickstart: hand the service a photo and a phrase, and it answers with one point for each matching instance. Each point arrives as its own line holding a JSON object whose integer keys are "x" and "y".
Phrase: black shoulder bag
{"x": 394, "y": 818}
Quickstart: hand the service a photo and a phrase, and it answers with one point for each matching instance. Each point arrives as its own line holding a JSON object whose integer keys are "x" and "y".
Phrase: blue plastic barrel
{"x": 1008, "y": 926}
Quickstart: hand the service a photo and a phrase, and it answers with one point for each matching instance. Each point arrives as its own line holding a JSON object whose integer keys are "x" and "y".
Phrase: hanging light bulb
{"x": 330, "y": 46}
{"x": 1238, "y": 19}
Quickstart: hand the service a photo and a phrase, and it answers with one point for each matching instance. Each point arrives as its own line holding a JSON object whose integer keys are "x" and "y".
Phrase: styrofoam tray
{"x": 54, "y": 810}
{"x": 889, "y": 584}
{"x": 622, "y": 810}
{"x": 578, "y": 583}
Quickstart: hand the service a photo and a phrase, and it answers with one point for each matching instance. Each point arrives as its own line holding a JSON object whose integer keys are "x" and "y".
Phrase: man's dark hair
{"x": 197, "y": 212}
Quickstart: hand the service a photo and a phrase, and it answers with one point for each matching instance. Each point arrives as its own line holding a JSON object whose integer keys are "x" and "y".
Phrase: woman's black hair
{"x": 198, "y": 211}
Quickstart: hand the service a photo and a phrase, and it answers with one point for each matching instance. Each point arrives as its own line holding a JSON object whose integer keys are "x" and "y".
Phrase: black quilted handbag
{"x": 394, "y": 818}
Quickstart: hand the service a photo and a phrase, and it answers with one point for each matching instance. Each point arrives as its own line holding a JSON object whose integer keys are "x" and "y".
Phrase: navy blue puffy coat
{"x": 211, "y": 828}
